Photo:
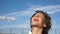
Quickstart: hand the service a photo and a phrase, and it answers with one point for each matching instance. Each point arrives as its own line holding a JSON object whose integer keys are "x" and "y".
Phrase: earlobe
{"x": 44, "y": 25}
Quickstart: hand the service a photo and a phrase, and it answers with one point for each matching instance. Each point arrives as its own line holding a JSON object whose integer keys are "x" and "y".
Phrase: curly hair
{"x": 47, "y": 21}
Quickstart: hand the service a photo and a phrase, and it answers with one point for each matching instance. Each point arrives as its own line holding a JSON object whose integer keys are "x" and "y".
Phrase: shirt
{"x": 30, "y": 32}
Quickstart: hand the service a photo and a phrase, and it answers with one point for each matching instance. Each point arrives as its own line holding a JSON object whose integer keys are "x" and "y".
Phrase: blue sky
{"x": 18, "y": 12}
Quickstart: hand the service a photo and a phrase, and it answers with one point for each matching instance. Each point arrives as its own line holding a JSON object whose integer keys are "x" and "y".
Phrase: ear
{"x": 44, "y": 25}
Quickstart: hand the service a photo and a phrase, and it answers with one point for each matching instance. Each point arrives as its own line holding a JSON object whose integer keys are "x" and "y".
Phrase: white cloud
{"x": 10, "y": 18}
{"x": 51, "y": 12}
{"x": 2, "y": 17}
{"x": 52, "y": 9}
{"x": 7, "y": 18}
{"x": 21, "y": 13}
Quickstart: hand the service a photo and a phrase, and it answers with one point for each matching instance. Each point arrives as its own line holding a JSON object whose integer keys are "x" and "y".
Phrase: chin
{"x": 35, "y": 25}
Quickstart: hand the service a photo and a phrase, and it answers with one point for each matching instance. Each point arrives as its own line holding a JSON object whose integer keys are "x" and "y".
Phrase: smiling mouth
{"x": 35, "y": 19}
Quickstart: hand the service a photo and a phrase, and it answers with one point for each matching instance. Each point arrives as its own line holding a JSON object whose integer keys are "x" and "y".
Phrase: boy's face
{"x": 37, "y": 20}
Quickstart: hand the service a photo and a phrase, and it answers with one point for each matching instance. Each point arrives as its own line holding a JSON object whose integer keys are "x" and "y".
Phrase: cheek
{"x": 32, "y": 21}
{"x": 40, "y": 20}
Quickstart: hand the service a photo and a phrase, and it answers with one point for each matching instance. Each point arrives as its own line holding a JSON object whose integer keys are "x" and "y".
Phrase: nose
{"x": 36, "y": 19}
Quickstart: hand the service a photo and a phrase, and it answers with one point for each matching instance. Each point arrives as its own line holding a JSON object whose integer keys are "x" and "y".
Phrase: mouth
{"x": 35, "y": 19}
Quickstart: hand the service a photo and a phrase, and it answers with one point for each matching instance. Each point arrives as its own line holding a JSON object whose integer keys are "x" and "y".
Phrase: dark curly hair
{"x": 47, "y": 21}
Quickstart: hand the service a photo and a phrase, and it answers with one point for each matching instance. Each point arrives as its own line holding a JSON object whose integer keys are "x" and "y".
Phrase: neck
{"x": 36, "y": 30}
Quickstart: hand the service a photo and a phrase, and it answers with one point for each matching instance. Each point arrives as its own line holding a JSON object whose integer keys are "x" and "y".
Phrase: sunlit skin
{"x": 38, "y": 19}
{"x": 38, "y": 23}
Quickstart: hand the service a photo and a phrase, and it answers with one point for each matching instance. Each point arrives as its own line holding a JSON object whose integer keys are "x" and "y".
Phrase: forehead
{"x": 39, "y": 14}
